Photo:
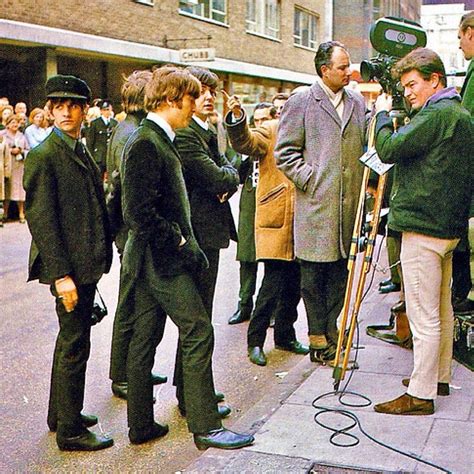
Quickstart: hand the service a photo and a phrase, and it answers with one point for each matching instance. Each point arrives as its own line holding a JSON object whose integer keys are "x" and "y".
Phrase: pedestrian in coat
{"x": 19, "y": 148}
{"x": 320, "y": 139}
{"x": 163, "y": 257}
{"x": 133, "y": 94}
{"x": 99, "y": 133}
{"x": 71, "y": 249}
{"x": 210, "y": 181}
{"x": 279, "y": 294}
{"x": 462, "y": 282}
{"x": 5, "y": 173}
{"x": 249, "y": 175}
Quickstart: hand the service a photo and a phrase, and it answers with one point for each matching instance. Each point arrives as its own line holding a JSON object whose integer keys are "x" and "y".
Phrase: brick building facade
{"x": 261, "y": 46}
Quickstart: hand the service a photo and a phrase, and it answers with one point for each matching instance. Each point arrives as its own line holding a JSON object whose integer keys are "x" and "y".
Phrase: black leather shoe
{"x": 463, "y": 306}
{"x": 86, "y": 441}
{"x": 241, "y": 315}
{"x": 87, "y": 422}
{"x": 387, "y": 281}
{"x": 399, "y": 307}
{"x": 257, "y": 356}
{"x": 294, "y": 346}
{"x": 155, "y": 431}
{"x": 157, "y": 379}
{"x": 120, "y": 389}
{"x": 222, "y": 439}
{"x": 224, "y": 410}
{"x": 220, "y": 397}
{"x": 391, "y": 287}
{"x": 443, "y": 387}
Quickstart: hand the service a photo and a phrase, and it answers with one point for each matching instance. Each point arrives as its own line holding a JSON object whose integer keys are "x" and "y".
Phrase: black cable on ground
{"x": 344, "y": 431}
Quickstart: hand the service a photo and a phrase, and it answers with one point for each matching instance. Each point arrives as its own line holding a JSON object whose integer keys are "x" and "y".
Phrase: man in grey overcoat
{"x": 320, "y": 139}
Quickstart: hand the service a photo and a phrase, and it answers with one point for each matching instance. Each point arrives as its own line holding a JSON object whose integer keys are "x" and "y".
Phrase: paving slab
{"x": 247, "y": 462}
{"x": 450, "y": 446}
{"x": 292, "y": 432}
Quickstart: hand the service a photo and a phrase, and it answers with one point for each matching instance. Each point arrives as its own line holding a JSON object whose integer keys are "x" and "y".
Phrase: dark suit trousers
{"x": 206, "y": 284}
{"x": 279, "y": 294}
{"x": 179, "y": 298}
{"x": 323, "y": 286}
{"x": 248, "y": 283}
{"x": 71, "y": 353}
{"x": 152, "y": 323}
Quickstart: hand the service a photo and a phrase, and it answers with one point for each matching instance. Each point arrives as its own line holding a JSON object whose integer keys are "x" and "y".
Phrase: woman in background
{"x": 5, "y": 112}
{"x": 38, "y": 130}
{"x": 18, "y": 148}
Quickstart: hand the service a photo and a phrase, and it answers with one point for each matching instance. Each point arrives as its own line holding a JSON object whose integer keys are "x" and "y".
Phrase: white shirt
{"x": 335, "y": 98}
{"x": 204, "y": 125}
{"x": 162, "y": 123}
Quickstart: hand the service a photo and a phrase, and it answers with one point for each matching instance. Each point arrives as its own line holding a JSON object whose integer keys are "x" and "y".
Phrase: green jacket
{"x": 467, "y": 91}
{"x": 433, "y": 173}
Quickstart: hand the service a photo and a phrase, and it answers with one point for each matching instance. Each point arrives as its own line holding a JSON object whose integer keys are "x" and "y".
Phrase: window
{"x": 210, "y": 9}
{"x": 306, "y": 29}
{"x": 263, "y": 17}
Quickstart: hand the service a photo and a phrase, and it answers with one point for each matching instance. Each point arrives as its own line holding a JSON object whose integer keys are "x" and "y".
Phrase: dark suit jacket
{"x": 97, "y": 137}
{"x": 66, "y": 214}
{"x": 119, "y": 137}
{"x": 207, "y": 174}
{"x": 155, "y": 205}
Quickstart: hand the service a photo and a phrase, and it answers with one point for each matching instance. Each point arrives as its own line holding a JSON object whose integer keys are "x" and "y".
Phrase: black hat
{"x": 67, "y": 87}
{"x": 105, "y": 104}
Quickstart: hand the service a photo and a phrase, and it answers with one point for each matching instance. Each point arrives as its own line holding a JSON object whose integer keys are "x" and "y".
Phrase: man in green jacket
{"x": 429, "y": 206}
{"x": 461, "y": 259}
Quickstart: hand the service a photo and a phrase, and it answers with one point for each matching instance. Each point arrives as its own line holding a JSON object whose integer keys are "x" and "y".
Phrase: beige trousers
{"x": 427, "y": 270}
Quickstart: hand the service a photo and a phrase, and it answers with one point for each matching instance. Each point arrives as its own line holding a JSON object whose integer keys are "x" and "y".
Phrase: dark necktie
{"x": 81, "y": 153}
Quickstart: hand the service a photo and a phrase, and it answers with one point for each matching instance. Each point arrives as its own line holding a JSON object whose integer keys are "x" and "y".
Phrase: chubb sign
{"x": 198, "y": 54}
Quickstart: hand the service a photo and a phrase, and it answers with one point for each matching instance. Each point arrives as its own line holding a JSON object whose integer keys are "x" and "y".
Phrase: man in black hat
{"x": 71, "y": 249}
{"x": 99, "y": 133}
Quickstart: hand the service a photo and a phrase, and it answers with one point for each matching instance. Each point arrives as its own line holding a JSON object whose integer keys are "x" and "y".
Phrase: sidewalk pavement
{"x": 287, "y": 439}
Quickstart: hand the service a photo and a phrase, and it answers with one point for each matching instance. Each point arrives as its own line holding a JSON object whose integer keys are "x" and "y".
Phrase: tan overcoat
{"x": 275, "y": 192}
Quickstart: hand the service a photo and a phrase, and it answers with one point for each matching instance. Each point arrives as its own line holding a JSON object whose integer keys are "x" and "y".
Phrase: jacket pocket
{"x": 272, "y": 207}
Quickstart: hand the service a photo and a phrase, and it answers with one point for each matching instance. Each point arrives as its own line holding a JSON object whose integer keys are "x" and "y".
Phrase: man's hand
{"x": 67, "y": 292}
{"x": 233, "y": 103}
{"x": 383, "y": 103}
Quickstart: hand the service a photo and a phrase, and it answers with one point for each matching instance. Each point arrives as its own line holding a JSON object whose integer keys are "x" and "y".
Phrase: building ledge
{"x": 29, "y": 34}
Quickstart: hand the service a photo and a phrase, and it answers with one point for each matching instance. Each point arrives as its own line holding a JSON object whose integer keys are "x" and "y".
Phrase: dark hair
{"x": 206, "y": 77}
{"x": 467, "y": 20}
{"x": 324, "y": 54}
{"x": 280, "y": 96}
{"x": 170, "y": 83}
{"x": 423, "y": 60}
{"x": 58, "y": 100}
{"x": 266, "y": 105}
{"x": 133, "y": 91}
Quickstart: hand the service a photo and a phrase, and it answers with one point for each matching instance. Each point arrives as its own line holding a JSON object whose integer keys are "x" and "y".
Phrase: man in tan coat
{"x": 280, "y": 290}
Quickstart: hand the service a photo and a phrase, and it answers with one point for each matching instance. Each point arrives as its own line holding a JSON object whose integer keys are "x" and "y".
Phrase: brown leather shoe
{"x": 406, "y": 405}
{"x": 443, "y": 387}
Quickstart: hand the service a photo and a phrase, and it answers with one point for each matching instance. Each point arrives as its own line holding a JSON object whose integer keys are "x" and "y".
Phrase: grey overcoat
{"x": 320, "y": 154}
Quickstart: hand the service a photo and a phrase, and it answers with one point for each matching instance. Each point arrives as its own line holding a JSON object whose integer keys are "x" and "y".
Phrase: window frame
{"x": 311, "y": 15}
{"x": 260, "y": 24}
{"x": 208, "y": 19}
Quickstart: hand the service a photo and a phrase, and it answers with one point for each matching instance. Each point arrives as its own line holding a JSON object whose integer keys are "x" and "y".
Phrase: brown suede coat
{"x": 275, "y": 193}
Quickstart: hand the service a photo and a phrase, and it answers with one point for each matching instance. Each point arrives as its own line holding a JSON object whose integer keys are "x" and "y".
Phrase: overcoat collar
{"x": 69, "y": 152}
{"x": 156, "y": 128}
{"x": 319, "y": 95}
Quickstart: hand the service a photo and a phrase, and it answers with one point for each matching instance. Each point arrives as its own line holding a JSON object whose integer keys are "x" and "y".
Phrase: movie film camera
{"x": 393, "y": 38}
